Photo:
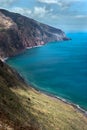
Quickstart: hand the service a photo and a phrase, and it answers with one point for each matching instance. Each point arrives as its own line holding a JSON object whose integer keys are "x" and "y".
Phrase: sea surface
{"x": 59, "y": 68}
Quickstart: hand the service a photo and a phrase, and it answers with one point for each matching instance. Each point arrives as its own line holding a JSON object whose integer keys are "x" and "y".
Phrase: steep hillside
{"x": 18, "y": 32}
{"x": 12, "y": 112}
{"x": 23, "y": 108}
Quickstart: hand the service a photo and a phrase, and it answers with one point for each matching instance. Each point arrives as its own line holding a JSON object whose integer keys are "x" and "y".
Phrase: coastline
{"x": 27, "y": 48}
{"x": 76, "y": 106}
{"x": 4, "y": 59}
{"x": 34, "y": 47}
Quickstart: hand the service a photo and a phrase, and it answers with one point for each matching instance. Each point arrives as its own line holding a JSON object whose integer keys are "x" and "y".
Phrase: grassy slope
{"x": 24, "y": 108}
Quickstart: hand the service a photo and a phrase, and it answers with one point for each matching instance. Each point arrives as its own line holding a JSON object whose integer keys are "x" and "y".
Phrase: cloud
{"x": 36, "y": 12}
{"x": 48, "y": 1}
{"x": 5, "y": 3}
{"x": 45, "y": 15}
{"x": 64, "y": 14}
{"x": 61, "y": 3}
{"x": 80, "y": 16}
{"x": 41, "y": 11}
{"x": 23, "y": 11}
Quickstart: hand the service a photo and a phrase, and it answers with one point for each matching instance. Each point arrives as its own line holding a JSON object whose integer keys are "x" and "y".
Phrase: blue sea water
{"x": 59, "y": 68}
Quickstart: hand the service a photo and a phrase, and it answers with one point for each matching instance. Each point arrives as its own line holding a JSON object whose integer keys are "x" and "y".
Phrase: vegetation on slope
{"x": 23, "y": 108}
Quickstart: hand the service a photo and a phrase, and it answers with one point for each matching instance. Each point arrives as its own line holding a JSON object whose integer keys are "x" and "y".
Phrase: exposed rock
{"x": 18, "y": 32}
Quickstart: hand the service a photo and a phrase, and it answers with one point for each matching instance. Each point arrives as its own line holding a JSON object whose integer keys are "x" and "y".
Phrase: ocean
{"x": 58, "y": 68}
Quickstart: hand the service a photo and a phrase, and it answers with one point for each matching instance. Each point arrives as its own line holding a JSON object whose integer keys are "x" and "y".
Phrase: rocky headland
{"x": 21, "y": 106}
{"x": 18, "y": 32}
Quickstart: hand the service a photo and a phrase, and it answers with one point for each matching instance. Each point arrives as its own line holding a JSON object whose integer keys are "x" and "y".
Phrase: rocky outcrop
{"x": 18, "y": 32}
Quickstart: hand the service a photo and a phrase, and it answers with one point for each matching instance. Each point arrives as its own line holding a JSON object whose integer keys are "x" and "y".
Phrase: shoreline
{"x": 4, "y": 59}
{"x": 63, "y": 100}
{"x": 33, "y": 47}
{"x": 76, "y": 106}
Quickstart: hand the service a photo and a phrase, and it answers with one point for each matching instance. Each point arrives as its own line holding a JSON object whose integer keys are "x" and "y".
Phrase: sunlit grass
{"x": 24, "y": 108}
{"x": 51, "y": 113}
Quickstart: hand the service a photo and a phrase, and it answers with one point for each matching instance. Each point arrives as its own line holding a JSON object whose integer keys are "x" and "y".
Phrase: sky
{"x": 68, "y": 15}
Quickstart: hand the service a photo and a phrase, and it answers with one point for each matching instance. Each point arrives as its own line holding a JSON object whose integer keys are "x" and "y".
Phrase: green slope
{"x": 23, "y": 108}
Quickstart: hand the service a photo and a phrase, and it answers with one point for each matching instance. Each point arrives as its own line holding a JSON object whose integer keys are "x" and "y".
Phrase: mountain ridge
{"x": 18, "y": 32}
{"x": 21, "y": 106}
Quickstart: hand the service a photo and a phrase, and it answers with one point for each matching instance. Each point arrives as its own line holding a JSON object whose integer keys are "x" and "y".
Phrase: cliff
{"x": 18, "y": 32}
{"x": 21, "y": 106}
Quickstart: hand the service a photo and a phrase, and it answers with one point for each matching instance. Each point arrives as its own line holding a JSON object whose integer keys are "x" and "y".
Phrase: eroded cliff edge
{"x": 18, "y": 32}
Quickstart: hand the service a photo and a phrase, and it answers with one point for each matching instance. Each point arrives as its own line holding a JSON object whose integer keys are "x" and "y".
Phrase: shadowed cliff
{"x": 18, "y": 32}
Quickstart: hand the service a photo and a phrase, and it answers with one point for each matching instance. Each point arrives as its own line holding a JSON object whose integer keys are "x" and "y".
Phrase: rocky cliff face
{"x": 18, "y": 32}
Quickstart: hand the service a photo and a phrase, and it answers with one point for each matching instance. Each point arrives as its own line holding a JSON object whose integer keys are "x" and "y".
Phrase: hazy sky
{"x": 69, "y": 15}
